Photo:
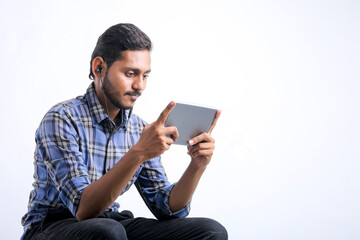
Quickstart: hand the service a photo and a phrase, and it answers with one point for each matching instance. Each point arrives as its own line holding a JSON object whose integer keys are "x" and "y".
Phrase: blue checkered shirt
{"x": 76, "y": 144}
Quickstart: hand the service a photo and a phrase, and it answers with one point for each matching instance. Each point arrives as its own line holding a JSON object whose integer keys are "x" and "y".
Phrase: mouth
{"x": 133, "y": 95}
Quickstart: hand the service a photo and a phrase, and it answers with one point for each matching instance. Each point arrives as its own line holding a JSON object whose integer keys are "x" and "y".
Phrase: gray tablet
{"x": 190, "y": 120}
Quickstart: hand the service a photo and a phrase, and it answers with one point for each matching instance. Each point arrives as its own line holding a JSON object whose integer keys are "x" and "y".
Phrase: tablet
{"x": 190, "y": 120}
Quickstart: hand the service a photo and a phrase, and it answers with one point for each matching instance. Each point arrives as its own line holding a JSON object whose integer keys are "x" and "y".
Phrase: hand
{"x": 201, "y": 148}
{"x": 154, "y": 138}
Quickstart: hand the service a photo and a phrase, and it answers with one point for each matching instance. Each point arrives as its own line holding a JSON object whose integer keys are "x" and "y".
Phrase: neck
{"x": 109, "y": 108}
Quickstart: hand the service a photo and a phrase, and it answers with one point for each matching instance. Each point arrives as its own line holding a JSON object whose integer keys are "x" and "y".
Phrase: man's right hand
{"x": 154, "y": 139}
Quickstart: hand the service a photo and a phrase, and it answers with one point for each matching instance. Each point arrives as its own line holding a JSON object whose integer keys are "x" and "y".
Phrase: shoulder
{"x": 69, "y": 108}
{"x": 66, "y": 114}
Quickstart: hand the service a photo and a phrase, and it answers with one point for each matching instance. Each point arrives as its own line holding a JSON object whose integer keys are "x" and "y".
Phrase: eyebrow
{"x": 136, "y": 70}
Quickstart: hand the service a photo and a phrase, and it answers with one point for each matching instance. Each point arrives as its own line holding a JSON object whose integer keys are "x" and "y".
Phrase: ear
{"x": 98, "y": 62}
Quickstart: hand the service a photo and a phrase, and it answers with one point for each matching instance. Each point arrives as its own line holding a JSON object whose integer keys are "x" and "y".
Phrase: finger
{"x": 200, "y": 138}
{"x": 173, "y": 132}
{"x": 165, "y": 113}
{"x": 169, "y": 141}
{"x": 202, "y": 152}
{"x": 201, "y": 146}
{"x": 217, "y": 115}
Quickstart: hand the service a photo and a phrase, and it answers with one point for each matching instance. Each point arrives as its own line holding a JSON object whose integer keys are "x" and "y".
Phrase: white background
{"x": 285, "y": 73}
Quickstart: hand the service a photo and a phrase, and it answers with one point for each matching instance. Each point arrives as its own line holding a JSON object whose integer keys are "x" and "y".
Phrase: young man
{"x": 91, "y": 149}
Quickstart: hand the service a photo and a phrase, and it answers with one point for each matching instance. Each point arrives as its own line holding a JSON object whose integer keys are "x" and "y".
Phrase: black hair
{"x": 115, "y": 40}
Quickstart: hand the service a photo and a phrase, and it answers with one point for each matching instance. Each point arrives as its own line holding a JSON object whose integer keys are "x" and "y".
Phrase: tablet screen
{"x": 190, "y": 120}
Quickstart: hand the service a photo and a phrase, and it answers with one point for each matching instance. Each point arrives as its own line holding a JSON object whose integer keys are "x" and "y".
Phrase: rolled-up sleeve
{"x": 59, "y": 148}
{"x": 154, "y": 188}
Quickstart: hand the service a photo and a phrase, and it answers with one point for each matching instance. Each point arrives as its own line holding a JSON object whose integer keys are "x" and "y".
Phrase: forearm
{"x": 184, "y": 189}
{"x": 98, "y": 196}
{"x": 201, "y": 149}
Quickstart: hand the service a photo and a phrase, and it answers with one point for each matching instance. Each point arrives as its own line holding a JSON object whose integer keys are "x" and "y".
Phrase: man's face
{"x": 126, "y": 78}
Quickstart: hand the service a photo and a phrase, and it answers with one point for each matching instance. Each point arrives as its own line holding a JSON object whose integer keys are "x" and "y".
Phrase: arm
{"x": 201, "y": 150}
{"x": 98, "y": 196}
{"x": 154, "y": 187}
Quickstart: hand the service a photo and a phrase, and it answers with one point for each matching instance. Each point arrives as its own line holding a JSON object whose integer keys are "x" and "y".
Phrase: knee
{"x": 214, "y": 229}
{"x": 105, "y": 229}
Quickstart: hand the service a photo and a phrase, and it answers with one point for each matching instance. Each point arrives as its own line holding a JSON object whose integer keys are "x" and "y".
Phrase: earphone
{"x": 98, "y": 70}
{"x": 102, "y": 89}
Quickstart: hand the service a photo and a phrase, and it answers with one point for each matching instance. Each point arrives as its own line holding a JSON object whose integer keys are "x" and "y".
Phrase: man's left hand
{"x": 201, "y": 148}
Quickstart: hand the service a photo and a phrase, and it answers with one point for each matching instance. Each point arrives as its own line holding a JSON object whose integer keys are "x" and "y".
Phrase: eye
{"x": 146, "y": 75}
{"x": 130, "y": 74}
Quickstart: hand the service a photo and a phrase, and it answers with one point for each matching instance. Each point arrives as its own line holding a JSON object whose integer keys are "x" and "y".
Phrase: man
{"x": 91, "y": 149}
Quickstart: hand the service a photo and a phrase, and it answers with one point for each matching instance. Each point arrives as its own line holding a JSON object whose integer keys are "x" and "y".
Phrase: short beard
{"x": 106, "y": 88}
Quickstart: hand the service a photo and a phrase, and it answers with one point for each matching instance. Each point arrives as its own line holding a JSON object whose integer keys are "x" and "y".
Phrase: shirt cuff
{"x": 182, "y": 213}
{"x": 71, "y": 192}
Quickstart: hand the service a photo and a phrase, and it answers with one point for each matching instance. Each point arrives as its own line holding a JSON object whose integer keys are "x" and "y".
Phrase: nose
{"x": 139, "y": 83}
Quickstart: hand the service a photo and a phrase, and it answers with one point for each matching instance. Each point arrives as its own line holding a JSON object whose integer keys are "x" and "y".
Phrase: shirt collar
{"x": 98, "y": 112}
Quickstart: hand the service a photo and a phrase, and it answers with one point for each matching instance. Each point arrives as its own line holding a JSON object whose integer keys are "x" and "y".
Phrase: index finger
{"x": 165, "y": 113}
{"x": 217, "y": 115}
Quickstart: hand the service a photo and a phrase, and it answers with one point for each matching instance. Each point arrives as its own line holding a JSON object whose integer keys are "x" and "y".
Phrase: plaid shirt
{"x": 76, "y": 144}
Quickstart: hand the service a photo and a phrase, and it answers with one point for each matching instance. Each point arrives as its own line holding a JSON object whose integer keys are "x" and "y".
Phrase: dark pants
{"x": 60, "y": 224}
